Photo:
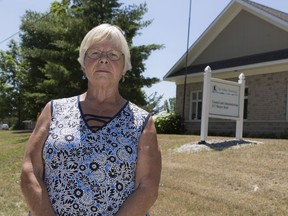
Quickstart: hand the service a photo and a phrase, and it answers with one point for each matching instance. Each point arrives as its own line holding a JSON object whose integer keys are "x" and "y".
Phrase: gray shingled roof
{"x": 228, "y": 63}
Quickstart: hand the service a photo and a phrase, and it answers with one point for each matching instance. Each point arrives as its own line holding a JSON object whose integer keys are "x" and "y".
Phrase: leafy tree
{"x": 153, "y": 102}
{"x": 13, "y": 73}
{"x": 49, "y": 44}
{"x": 169, "y": 105}
{"x": 4, "y": 97}
{"x": 51, "y": 41}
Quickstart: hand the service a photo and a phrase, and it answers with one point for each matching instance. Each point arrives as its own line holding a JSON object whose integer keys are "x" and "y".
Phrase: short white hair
{"x": 104, "y": 32}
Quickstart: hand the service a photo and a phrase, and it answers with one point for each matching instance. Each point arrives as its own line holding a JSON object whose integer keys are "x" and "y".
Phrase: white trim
{"x": 253, "y": 67}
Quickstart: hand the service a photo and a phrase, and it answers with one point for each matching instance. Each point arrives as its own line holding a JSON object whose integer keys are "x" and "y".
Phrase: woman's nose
{"x": 104, "y": 60}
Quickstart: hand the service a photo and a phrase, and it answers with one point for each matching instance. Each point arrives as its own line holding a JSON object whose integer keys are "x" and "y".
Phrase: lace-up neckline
{"x": 96, "y": 122}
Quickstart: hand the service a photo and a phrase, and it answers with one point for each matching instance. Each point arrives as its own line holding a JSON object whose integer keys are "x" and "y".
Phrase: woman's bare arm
{"x": 32, "y": 184}
{"x": 148, "y": 172}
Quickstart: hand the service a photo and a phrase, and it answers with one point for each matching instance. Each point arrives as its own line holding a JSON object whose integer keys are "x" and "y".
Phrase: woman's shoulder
{"x": 63, "y": 103}
{"x": 137, "y": 109}
{"x": 65, "y": 99}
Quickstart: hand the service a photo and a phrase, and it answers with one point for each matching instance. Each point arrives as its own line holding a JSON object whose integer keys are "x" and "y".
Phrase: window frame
{"x": 197, "y": 101}
{"x": 245, "y": 108}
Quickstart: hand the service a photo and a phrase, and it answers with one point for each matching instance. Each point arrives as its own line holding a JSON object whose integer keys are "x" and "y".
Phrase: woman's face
{"x": 104, "y": 64}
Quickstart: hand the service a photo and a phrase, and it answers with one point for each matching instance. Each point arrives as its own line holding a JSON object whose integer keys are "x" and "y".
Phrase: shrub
{"x": 169, "y": 123}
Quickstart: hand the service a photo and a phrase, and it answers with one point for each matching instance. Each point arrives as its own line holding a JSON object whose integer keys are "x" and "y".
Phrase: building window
{"x": 195, "y": 105}
{"x": 287, "y": 103}
{"x": 245, "y": 114}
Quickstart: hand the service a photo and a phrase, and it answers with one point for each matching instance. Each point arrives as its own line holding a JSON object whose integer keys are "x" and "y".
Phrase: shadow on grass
{"x": 222, "y": 145}
{"x": 216, "y": 145}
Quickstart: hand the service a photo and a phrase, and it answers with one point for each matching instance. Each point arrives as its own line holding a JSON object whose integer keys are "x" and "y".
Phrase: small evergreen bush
{"x": 169, "y": 123}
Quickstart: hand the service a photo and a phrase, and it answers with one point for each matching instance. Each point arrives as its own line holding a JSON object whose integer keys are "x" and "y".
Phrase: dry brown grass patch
{"x": 242, "y": 181}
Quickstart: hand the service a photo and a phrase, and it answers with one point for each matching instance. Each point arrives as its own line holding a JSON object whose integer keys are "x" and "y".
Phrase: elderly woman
{"x": 96, "y": 153}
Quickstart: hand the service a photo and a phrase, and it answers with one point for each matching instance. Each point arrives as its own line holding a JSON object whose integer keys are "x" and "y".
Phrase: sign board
{"x": 224, "y": 99}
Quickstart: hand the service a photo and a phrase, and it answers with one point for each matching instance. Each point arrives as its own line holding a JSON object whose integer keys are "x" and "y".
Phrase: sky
{"x": 169, "y": 28}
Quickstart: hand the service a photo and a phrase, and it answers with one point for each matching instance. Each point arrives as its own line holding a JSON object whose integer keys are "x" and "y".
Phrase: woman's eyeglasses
{"x": 113, "y": 55}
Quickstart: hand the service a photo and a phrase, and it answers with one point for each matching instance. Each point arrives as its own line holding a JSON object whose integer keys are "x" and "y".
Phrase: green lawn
{"x": 11, "y": 154}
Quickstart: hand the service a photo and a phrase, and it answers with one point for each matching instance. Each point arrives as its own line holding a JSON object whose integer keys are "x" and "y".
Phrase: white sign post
{"x": 222, "y": 99}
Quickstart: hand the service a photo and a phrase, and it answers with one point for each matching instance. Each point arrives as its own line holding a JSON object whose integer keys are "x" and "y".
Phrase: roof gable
{"x": 280, "y": 14}
{"x": 245, "y": 35}
{"x": 241, "y": 22}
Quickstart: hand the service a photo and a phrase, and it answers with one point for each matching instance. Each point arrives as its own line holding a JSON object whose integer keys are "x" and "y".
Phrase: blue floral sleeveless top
{"x": 90, "y": 172}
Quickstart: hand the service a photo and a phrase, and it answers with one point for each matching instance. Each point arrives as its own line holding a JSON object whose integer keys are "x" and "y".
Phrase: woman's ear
{"x": 123, "y": 76}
